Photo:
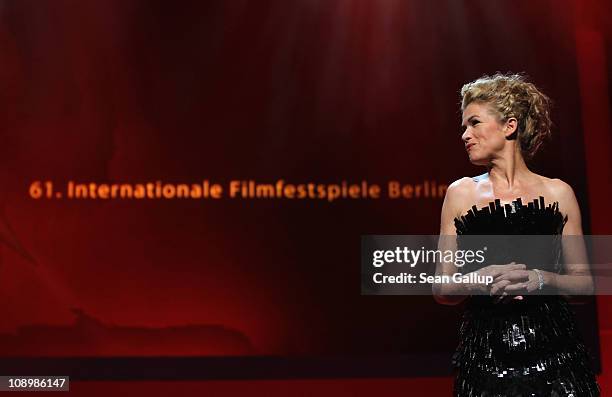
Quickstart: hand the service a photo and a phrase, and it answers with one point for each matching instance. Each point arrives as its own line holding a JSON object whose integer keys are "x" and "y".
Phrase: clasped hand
{"x": 509, "y": 281}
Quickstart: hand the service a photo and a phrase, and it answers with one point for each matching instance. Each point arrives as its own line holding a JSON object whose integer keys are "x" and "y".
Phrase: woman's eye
{"x": 474, "y": 122}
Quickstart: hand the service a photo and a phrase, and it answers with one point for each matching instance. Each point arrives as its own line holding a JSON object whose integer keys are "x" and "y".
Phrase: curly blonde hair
{"x": 511, "y": 95}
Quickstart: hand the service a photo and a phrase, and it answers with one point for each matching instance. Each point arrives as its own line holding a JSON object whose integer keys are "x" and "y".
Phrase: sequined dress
{"x": 528, "y": 347}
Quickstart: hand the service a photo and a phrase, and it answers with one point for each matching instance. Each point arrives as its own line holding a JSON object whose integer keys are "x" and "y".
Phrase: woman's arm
{"x": 448, "y": 294}
{"x": 577, "y": 283}
{"x": 455, "y": 293}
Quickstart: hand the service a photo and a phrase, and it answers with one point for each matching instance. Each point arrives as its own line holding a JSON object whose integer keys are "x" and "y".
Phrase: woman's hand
{"x": 495, "y": 271}
{"x": 516, "y": 282}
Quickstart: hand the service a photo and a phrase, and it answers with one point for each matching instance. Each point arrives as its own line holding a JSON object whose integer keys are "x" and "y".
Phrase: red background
{"x": 305, "y": 91}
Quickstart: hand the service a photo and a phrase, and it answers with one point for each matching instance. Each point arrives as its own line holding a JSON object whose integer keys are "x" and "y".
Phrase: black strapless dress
{"x": 528, "y": 347}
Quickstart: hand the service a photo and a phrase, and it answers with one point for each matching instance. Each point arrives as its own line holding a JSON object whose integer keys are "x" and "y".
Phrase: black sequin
{"x": 527, "y": 347}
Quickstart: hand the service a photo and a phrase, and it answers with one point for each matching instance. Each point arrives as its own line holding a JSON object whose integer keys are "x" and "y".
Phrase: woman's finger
{"x": 516, "y": 287}
{"x": 514, "y": 275}
{"x": 496, "y": 287}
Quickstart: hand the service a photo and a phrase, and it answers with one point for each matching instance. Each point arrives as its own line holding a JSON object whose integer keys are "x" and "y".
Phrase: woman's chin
{"x": 478, "y": 161}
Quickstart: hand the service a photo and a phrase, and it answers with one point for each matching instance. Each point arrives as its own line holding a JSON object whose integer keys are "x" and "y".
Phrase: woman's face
{"x": 484, "y": 136}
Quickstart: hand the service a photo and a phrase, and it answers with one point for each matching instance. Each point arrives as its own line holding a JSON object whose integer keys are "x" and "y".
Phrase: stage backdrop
{"x": 219, "y": 94}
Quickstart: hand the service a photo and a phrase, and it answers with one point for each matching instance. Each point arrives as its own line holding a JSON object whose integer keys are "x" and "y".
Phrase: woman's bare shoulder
{"x": 466, "y": 185}
{"x": 460, "y": 194}
{"x": 463, "y": 185}
{"x": 559, "y": 190}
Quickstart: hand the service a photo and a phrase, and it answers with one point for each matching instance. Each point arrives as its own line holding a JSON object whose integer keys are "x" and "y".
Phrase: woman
{"x": 513, "y": 340}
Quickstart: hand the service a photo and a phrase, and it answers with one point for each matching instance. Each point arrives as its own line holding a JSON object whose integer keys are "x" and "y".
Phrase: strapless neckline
{"x": 513, "y": 206}
{"x": 535, "y": 217}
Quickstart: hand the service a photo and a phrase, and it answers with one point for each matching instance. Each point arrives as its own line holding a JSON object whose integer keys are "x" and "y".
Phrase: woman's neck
{"x": 508, "y": 172}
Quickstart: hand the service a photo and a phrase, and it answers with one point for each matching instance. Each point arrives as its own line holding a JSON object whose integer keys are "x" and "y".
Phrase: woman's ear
{"x": 511, "y": 128}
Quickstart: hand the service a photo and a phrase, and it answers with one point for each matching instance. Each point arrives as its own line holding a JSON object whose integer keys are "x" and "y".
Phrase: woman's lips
{"x": 469, "y": 146}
